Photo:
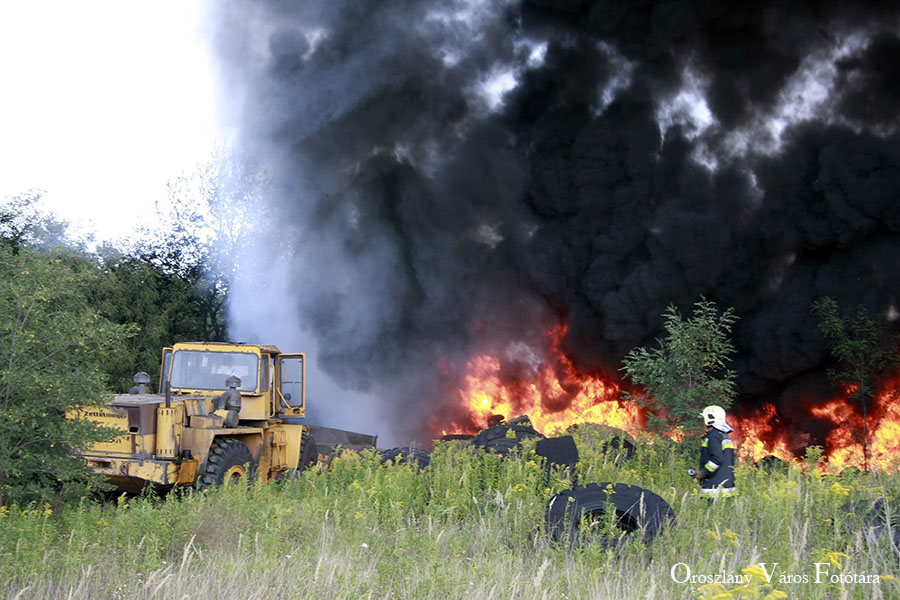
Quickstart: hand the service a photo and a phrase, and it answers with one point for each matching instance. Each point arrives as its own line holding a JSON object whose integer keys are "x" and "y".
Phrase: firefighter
{"x": 716, "y": 473}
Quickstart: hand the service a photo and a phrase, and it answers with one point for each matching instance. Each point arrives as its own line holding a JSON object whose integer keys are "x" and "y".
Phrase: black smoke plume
{"x": 456, "y": 177}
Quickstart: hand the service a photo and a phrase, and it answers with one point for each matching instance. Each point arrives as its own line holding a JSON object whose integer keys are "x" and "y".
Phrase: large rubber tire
{"x": 497, "y": 438}
{"x": 559, "y": 453}
{"x": 406, "y": 455}
{"x": 636, "y": 510}
{"x": 309, "y": 457}
{"x": 871, "y": 517}
{"x": 502, "y": 446}
{"x": 615, "y": 442}
{"x": 772, "y": 463}
{"x": 309, "y": 452}
{"x": 229, "y": 462}
{"x": 868, "y": 513}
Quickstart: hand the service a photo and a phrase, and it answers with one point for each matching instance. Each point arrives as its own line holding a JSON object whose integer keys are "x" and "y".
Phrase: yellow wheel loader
{"x": 228, "y": 412}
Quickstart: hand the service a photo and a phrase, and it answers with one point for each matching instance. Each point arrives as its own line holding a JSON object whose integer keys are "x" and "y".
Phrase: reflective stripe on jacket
{"x": 717, "y": 463}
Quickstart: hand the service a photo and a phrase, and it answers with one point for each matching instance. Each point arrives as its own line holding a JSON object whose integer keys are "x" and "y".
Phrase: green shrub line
{"x": 470, "y": 525}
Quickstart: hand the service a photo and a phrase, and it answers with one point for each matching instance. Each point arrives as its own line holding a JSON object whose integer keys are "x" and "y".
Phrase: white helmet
{"x": 714, "y": 416}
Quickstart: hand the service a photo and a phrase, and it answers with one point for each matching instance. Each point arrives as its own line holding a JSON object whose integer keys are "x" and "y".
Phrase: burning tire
{"x": 498, "y": 438}
{"x": 463, "y": 438}
{"x": 605, "y": 513}
{"x": 502, "y": 446}
{"x": 406, "y": 455}
{"x": 229, "y": 463}
{"x": 772, "y": 463}
{"x": 606, "y": 439}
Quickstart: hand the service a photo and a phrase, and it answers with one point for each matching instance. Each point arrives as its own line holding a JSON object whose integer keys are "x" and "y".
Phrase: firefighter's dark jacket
{"x": 717, "y": 463}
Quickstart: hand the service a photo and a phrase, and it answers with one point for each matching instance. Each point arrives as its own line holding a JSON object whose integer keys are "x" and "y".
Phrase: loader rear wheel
{"x": 229, "y": 463}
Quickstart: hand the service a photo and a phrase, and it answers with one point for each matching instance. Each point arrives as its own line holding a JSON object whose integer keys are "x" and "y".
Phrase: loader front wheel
{"x": 229, "y": 463}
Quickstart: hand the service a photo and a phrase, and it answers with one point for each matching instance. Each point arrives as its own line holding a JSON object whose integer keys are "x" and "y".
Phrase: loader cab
{"x": 272, "y": 384}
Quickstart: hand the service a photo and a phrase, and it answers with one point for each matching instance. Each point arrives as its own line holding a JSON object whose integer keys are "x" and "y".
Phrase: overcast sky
{"x": 103, "y": 102}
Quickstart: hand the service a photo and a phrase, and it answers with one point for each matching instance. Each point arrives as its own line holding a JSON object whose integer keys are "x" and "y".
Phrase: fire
{"x": 757, "y": 436}
{"x": 844, "y": 443}
{"x": 554, "y": 394}
{"x": 764, "y": 434}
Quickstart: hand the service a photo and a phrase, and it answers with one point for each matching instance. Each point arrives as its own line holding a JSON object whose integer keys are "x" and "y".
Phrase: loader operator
{"x": 716, "y": 473}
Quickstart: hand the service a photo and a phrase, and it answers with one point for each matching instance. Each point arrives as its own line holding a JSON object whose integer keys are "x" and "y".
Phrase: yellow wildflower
{"x": 835, "y": 558}
{"x": 742, "y": 590}
{"x": 711, "y": 590}
{"x": 732, "y": 537}
{"x": 839, "y": 490}
{"x": 755, "y": 572}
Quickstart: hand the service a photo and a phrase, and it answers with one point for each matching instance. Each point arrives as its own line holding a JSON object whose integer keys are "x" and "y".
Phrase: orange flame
{"x": 757, "y": 436}
{"x": 554, "y": 397}
{"x": 844, "y": 444}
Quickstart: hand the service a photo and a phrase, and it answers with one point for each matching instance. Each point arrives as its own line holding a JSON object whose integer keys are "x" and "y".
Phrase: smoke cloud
{"x": 457, "y": 177}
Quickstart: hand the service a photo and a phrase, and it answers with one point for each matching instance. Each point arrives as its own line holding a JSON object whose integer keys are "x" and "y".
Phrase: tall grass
{"x": 470, "y": 525}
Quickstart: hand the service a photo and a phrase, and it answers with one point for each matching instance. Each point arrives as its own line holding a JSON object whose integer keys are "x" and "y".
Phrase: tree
{"x": 53, "y": 350}
{"x": 23, "y": 224}
{"x": 687, "y": 369}
{"x": 866, "y": 351}
{"x": 161, "y": 304}
{"x": 210, "y": 215}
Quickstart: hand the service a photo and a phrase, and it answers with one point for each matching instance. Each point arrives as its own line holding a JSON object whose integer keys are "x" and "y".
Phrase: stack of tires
{"x": 504, "y": 438}
{"x": 406, "y": 455}
{"x": 574, "y": 516}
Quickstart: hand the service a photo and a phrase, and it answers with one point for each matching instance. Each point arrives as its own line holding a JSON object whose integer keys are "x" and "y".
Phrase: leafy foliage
{"x": 866, "y": 351}
{"x": 54, "y": 347}
{"x": 161, "y": 304}
{"x": 24, "y": 225}
{"x": 687, "y": 370}
{"x": 74, "y": 323}
{"x": 209, "y": 216}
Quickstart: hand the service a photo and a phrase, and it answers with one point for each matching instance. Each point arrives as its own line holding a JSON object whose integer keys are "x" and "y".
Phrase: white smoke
{"x": 263, "y": 309}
